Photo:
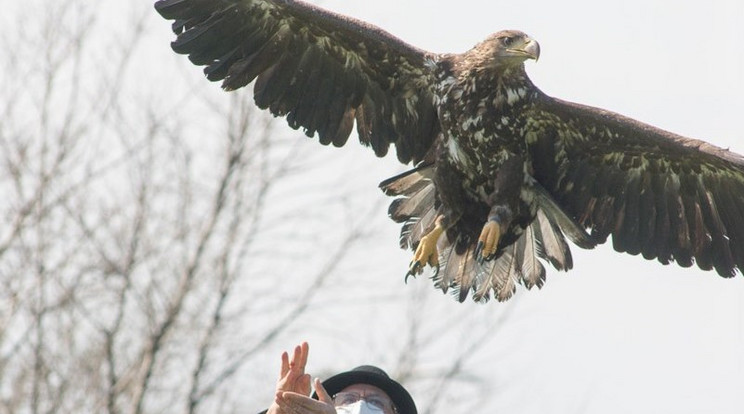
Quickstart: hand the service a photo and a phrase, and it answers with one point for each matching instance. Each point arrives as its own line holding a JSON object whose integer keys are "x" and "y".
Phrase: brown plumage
{"x": 502, "y": 172}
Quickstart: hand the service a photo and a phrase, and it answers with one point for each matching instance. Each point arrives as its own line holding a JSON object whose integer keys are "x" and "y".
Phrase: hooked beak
{"x": 529, "y": 50}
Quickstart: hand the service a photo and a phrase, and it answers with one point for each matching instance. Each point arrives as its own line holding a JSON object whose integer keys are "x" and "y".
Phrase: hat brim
{"x": 401, "y": 398}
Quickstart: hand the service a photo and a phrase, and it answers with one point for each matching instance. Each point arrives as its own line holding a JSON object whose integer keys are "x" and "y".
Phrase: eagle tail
{"x": 460, "y": 271}
{"x": 520, "y": 262}
{"x": 455, "y": 270}
{"x": 416, "y": 209}
{"x": 463, "y": 272}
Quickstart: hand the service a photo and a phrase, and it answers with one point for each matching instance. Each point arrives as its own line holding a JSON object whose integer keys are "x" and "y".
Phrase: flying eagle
{"x": 502, "y": 173}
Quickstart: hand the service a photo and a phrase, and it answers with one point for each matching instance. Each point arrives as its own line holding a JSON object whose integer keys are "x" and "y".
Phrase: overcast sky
{"x": 617, "y": 334}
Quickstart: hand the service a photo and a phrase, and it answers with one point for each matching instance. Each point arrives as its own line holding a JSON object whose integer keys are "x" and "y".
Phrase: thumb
{"x": 322, "y": 393}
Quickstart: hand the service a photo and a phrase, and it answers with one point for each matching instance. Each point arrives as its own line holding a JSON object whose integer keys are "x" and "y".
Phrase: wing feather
{"x": 658, "y": 245}
{"x": 626, "y": 226}
{"x": 646, "y": 214}
{"x": 658, "y": 194}
{"x": 729, "y": 205}
{"x": 320, "y": 69}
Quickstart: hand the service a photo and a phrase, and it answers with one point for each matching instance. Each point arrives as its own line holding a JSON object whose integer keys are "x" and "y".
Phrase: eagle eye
{"x": 507, "y": 40}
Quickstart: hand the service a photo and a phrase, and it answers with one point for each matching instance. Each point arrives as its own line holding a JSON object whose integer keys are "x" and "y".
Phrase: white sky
{"x": 617, "y": 334}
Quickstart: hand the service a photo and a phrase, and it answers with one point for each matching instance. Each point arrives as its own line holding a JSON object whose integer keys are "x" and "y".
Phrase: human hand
{"x": 294, "y": 403}
{"x": 292, "y": 376}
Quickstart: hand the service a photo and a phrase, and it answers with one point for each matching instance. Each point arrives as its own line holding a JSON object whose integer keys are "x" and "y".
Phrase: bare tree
{"x": 159, "y": 238}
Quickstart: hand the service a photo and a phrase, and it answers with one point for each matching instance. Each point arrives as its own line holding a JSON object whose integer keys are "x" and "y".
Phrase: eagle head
{"x": 507, "y": 48}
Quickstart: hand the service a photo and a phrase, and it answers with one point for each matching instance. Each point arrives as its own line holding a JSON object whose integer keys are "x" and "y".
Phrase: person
{"x": 365, "y": 389}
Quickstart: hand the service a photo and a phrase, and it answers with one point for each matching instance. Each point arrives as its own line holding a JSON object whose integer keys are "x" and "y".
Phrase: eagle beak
{"x": 529, "y": 49}
{"x": 532, "y": 49}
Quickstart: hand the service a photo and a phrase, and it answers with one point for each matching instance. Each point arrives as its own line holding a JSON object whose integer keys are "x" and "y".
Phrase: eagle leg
{"x": 488, "y": 240}
{"x": 507, "y": 187}
{"x": 426, "y": 251}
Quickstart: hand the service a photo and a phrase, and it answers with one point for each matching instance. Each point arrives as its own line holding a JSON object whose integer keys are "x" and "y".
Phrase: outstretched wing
{"x": 322, "y": 70}
{"x": 657, "y": 193}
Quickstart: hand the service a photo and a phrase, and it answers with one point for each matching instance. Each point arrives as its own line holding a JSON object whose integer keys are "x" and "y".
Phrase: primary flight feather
{"x": 503, "y": 173}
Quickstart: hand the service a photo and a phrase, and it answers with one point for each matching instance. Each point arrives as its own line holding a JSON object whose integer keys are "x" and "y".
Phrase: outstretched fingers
{"x": 292, "y": 372}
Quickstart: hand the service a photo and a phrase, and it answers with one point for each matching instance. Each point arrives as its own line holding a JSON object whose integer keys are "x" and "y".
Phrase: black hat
{"x": 367, "y": 374}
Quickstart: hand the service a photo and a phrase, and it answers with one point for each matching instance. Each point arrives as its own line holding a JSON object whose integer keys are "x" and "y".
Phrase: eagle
{"x": 502, "y": 175}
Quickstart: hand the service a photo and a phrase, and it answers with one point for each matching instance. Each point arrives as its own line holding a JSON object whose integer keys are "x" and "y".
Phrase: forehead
{"x": 507, "y": 33}
{"x": 365, "y": 389}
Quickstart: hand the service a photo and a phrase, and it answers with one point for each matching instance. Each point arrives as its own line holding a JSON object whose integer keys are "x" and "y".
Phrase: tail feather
{"x": 450, "y": 264}
{"x": 551, "y": 244}
{"x": 498, "y": 276}
{"x": 457, "y": 271}
{"x": 466, "y": 275}
{"x": 415, "y": 228}
{"x": 533, "y": 272}
{"x": 505, "y": 273}
{"x": 416, "y": 209}
{"x": 460, "y": 272}
{"x": 409, "y": 182}
{"x": 416, "y": 205}
{"x": 519, "y": 262}
{"x": 482, "y": 292}
{"x": 561, "y": 221}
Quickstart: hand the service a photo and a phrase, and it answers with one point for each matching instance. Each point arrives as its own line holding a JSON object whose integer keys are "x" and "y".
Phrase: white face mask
{"x": 359, "y": 407}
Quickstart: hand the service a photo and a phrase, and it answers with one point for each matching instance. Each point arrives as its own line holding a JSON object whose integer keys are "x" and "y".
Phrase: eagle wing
{"x": 658, "y": 194}
{"x": 321, "y": 70}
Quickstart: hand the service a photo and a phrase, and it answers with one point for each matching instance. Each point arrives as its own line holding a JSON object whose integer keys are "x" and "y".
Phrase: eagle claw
{"x": 426, "y": 253}
{"x": 414, "y": 269}
{"x": 478, "y": 252}
{"x": 488, "y": 242}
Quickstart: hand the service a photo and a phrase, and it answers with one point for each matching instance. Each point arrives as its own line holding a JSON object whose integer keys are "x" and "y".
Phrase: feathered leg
{"x": 507, "y": 187}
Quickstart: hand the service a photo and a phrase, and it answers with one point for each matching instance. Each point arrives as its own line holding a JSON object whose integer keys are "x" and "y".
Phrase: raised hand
{"x": 292, "y": 377}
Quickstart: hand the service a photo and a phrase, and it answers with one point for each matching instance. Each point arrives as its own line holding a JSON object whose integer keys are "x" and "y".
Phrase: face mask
{"x": 359, "y": 407}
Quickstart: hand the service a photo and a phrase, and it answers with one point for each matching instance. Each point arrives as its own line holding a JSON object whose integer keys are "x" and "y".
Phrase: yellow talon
{"x": 489, "y": 239}
{"x": 426, "y": 251}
